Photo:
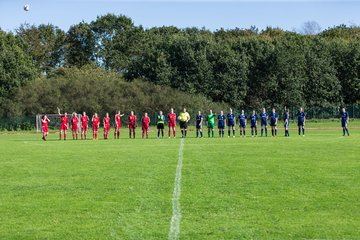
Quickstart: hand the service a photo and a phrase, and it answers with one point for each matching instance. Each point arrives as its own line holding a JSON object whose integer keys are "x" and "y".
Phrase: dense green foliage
{"x": 241, "y": 67}
{"x": 231, "y": 188}
{"x": 93, "y": 89}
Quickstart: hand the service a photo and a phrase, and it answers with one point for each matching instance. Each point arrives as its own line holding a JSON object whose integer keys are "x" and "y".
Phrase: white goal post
{"x": 54, "y": 123}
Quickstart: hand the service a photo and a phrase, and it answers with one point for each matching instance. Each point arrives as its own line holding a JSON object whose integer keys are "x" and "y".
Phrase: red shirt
{"x": 96, "y": 121}
{"x": 64, "y": 120}
{"x": 172, "y": 117}
{"x": 74, "y": 121}
{"x": 145, "y": 121}
{"x": 132, "y": 119}
{"x": 84, "y": 120}
{"x": 106, "y": 121}
{"x": 44, "y": 122}
{"x": 117, "y": 119}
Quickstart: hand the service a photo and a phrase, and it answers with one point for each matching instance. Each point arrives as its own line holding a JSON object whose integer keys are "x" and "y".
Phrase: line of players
{"x": 184, "y": 117}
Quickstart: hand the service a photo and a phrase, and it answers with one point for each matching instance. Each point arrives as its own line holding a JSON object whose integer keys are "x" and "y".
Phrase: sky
{"x": 210, "y": 14}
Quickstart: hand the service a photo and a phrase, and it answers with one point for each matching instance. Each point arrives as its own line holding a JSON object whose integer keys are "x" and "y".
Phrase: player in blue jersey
{"x": 253, "y": 123}
{"x": 301, "y": 121}
{"x": 242, "y": 123}
{"x": 263, "y": 119}
{"x": 273, "y": 122}
{"x": 286, "y": 122}
{"x": 221, "y": 123}
{"x": 344, "y": 121}
{"x": 231, "y": 122}
{"x": 199, "y": 122}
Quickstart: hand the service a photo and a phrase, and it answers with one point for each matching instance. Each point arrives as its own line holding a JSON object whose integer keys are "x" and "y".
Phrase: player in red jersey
{"x": 64, "y": 123}
{"x": 44, "y": 126}
{"x": 145, "y": 120}
{"x": 75, "y": 126}
{"x": 117, "y": 124}
{"x": 95, "y": 125}
{"x": 106, "y": 123}
{"x": 171, "y": 118}
{"x": 84, "y": 125}
{"x": 132, "y": 124}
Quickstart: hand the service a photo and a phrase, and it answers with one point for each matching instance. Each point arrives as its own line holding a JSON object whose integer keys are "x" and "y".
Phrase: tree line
{"x": 235, "y": 67}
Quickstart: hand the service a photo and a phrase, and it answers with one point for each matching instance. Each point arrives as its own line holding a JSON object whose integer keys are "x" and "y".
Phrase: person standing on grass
{"x": 286, "y": 122}
{"x": 273, "y": 122}
{"x": 74, "y": 126}
{"x": 64, "y": 123}
{"x": 344, "y": 121}
{"x": 145, "y": 121}
{"x": 95, "y": 120}
{"x": 221, "y": 124}
{"x": 253, "y": 123}
{"x": 199, "y": 122}
{"x": 171, "y": 119}
{"x": 117, "y": 124}
{"x": 242, "y": 123}
{"x": 210, "y": 119}
{"x": 84, "y": 125}
{"x": 106, "y": 124}
{"x": 301, "y": 121}
{"x": 184, "y": 119}
{"x": 45, "y": 126}
{"x": 132, "y": 124}
{"x": 231, "y": 123}
{"x": 263, "y": 119}
{"x": 160, "y": 124}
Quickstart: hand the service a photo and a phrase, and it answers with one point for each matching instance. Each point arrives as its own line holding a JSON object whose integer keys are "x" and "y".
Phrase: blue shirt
{"x": 242, "y": 118}
{"x": 199, "y": 119}
{"x": 301, "y": 116}
{"x": 253, "y": 118}
{"x": 263, "y": 116}
{"x": 221, "y": 119}
{"x": 286, "y": 117}
{"x": 230, "y": 117}
{"x": 273, "y": 117}
{"x": 344, "y": 116}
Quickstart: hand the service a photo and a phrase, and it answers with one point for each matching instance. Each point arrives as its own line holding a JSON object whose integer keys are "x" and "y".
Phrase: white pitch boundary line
{"x": 174, "y": 232}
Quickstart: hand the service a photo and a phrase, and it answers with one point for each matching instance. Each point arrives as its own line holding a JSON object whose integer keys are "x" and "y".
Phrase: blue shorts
{"x": 300, "y": 124}
{"x": 273, "y": 124}
{"x": 286, "y": 124}
{"x": 221, "y": 125}
{"x": 231, "y": 124}
{"x": 343, "y": 123}
{"x": 253, "y": 125}
{"x": 198, "y": 126}
{"x": 263, "y": 123}
{"x": 242, "y": 125}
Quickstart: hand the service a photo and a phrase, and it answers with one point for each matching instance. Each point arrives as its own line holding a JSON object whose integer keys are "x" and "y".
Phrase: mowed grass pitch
{"x": 243, "y": 188}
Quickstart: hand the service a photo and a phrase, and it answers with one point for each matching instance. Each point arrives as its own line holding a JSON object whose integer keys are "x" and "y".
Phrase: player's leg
{"x": 229, "y": 130}
{"x": 244, "y": 130}
{"x": 262, "y": 129}
{"x": 240, "y": 131}
{"x": 233, "y": 130}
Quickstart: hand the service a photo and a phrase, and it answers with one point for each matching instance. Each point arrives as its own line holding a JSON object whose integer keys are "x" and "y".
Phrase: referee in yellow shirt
{"x": 184, "y": 118}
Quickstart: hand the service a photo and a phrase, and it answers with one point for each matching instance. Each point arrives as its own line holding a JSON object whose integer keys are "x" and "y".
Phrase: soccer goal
{"x": 54, "y": 121}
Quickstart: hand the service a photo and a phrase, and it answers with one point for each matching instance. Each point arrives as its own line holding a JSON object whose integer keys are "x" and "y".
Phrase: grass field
{"x": 231, "y": 188}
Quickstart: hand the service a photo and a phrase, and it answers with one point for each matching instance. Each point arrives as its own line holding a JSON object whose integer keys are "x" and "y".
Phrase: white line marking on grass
{"x": 174, "y": 232}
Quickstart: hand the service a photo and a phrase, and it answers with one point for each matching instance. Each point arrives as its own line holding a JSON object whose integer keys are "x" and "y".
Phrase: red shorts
{"x": 172, "y": 124}
{"x": 145, "y": 127}
{"x": 84, "y": 127}
{"x": 63, "y": 127}
{"x": 132, "y": 126}
{"x": 45, "y": 129}
{"x": 95, "y": 128}
{"x": 74, "y": 127}
{"x": 117, "y": 125}
{"x": 107, "y": 128}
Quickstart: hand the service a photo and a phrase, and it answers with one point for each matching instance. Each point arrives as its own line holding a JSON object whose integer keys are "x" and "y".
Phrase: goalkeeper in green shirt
{"x": 160, "y": 122}
{"x": 210, "y": 119}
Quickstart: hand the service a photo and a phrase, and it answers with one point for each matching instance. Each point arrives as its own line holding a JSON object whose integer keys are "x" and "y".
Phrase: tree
{"x": 310, "y": 28}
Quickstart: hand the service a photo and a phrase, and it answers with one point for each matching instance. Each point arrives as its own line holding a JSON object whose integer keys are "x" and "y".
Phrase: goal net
{"x": 54, "y": 123}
